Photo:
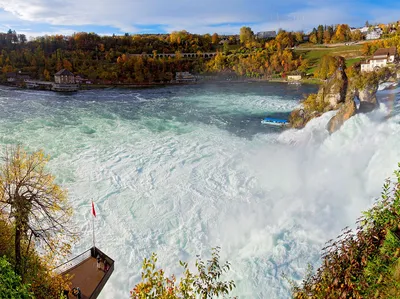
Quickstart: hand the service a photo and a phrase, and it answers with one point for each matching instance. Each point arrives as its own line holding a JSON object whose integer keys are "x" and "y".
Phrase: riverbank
{"x": 204, "y": 80}
{"x": 154, "y": 85}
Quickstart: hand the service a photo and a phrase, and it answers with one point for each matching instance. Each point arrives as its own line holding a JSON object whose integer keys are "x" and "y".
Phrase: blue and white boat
{"x": 274, "y": 121}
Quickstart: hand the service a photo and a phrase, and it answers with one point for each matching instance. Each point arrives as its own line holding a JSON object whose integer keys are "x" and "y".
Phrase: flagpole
{"x": 93, "y": 215}
{"x": 94, "y": 243}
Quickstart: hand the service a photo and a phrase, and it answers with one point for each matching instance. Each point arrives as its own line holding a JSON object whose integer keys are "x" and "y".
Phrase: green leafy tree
{"x": 205, "y": 284}
{"x": 11, "y": 285}
{"x": 320, "y": 34}
{"x": 246, "y": 35}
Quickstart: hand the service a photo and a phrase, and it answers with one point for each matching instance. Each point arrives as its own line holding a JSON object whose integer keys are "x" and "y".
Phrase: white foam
{"x": 386, "y": 85}
{"x": 270, "y": 202}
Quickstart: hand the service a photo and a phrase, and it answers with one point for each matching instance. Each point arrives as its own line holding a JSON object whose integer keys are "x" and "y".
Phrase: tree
{"x": 299, "y": 37}
{"x": 356, "y": 35}
{"x": 10, "y": 283}
{"x": 313, "y": 38}
{"x": 37, "y": 206}
{"x": 46, "y": 75}
{"x": 328, "y": 35}
{"x": 246, "y": 35}
{"x": 206, "y": 283}
{"x": 326, "y": 67}
{"x": 215, "y": 38}
{"x": 342, "y": 33}
{"x": 320, "y": 34}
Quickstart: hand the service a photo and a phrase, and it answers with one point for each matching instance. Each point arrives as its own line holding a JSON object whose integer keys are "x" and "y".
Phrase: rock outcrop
{"x": 331, "y": 95}
{"x": 347, "y": 110}
{"x": 337, "y": 93}
{"x": 367, "y": 97}
{"x": 333, "y": 91}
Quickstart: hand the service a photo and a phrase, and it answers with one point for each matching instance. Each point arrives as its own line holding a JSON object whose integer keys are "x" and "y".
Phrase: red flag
{"x": 93, "y": 210}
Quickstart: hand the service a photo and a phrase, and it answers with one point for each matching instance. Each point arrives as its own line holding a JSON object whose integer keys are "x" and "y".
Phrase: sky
{"x": 41, "y": 17}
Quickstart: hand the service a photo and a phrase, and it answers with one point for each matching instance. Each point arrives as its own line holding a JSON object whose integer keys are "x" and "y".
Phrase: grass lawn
{"x": 351, "y": 53}
{"x": 351, "y": 61}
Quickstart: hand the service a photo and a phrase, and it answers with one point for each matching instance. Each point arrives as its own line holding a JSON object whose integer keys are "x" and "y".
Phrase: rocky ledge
{"x": 338, "y": 93}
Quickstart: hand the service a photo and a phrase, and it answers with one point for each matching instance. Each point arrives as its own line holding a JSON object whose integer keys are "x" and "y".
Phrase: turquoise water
{"x": 178, "y": 170}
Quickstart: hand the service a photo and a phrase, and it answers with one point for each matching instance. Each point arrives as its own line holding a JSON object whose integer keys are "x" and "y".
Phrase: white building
{"x": 375, "y": 33}
{"x": 380, "y": 59}
{"x": 266, "y": 34}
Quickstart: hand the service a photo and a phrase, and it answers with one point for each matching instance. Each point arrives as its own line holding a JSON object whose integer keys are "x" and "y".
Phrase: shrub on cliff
{"x": 364, "y": 79}
{"x": 205, "y": 284}
{"x": 364, "y": 263}
{"x": 313, "y": 103}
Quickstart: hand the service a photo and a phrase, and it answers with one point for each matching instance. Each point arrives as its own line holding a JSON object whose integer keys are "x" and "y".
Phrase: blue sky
{"x": 39, "y": 17}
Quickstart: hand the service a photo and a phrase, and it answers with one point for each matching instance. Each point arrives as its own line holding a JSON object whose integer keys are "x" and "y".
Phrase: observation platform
{"x": 84, "y": 273}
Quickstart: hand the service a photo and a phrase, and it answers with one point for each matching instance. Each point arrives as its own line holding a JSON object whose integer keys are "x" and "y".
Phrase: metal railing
{"x": 73, "y": 262}
{"x": 92, "y": 252}
{"x": 97, "y": 252}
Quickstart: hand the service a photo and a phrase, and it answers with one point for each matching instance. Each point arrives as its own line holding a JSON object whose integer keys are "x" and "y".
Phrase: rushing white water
{"x": 177, "y": 172}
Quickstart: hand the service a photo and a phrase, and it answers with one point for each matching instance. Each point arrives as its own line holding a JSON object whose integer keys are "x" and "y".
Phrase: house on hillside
{"x": 374, "y": 33}
{"x": 266, "y": 34}
{"x": 64, "y": 77}
{"x": 380, "y": 59}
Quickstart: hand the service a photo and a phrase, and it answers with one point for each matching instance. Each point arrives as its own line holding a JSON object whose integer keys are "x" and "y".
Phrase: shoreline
{"x": 165, "y": 84}
{"x": 201, "y": 82}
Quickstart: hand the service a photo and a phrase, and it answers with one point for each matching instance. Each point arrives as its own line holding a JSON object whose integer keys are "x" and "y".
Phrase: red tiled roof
{"x": 386, "y": 51}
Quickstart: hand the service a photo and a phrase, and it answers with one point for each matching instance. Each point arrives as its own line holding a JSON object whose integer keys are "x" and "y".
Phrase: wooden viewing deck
{"x": 83, "y": 273}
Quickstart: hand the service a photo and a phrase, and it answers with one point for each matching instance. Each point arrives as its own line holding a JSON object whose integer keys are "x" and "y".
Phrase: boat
{"x": 274, "y": 121}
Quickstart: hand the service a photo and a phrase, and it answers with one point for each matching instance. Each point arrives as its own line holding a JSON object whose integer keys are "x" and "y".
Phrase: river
{"x": 181, "y": 169}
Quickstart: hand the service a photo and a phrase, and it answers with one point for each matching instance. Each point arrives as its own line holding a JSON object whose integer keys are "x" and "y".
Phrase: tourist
{"x": 98, "y": 262}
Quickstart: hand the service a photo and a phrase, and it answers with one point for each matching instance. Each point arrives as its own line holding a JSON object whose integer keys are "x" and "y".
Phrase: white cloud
{"x": 194, "y": 16}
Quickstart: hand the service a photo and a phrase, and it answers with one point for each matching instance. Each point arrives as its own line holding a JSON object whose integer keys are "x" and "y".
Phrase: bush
{"x": 205, "y": 284}
{"x": 313, "y": 103}
{"x": 10, "y": 283}
{"x": 364, "y": 263}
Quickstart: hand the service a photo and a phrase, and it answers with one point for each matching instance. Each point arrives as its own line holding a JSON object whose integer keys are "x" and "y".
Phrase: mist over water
{"x": 179, "y": 170}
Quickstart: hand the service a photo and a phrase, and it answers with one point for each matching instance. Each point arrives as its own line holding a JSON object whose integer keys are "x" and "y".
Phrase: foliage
{"x": 326, "y": 67}
{"x": 42, "y": 282}
{"x": 246, "y": 35}
{"x": 33, "y": 212}
{"x": 11, "y": 285}
{"x": 38, "y": 207}
{"x": 371, "y": 47}
{"x": 363, "y": 263}
{"x": 204, "y": 284}
{"x": 361, "y": 80}
{"x": 314, "y": 103}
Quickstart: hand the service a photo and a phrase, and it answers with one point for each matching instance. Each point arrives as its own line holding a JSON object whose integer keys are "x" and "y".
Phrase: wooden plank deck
{"x": 86, "y": 276}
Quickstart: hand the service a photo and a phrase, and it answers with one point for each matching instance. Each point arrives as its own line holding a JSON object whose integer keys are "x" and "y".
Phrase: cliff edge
{"x": 338, "y": 92}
